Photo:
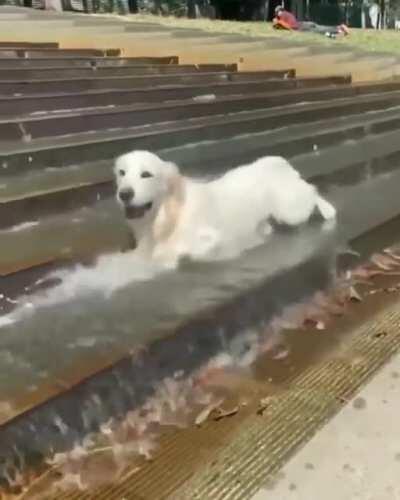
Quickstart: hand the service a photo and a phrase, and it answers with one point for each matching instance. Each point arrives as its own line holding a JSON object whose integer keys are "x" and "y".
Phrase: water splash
{"x": 110, "y": 273}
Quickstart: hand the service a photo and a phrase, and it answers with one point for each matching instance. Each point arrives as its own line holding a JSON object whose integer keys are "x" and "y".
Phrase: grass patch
{"x": 385, "y": 41}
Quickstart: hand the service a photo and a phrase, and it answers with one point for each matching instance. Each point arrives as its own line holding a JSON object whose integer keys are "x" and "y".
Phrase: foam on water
{"x": 6, "y": 321}
{"x": 21, "y": 227}
{"x": 110, "y": 273}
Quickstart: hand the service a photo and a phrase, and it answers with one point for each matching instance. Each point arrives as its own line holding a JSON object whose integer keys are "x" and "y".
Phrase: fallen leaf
{"x": 281, "y": 354}
{"x": 380, "y": 335}
{"x": 314, "y": 323}
{"x": 263, "y": 405}
{"x": 205, "y": 413}
{"x": 221, "y": 413}
{"x": 392, "y": 254}
{"x": 354, "y": 295}
{"x": 366, "y": 282}
{"x": 364, "y": 274}
{"x": 384, "y": 262}
{"x": 380, "y": 263}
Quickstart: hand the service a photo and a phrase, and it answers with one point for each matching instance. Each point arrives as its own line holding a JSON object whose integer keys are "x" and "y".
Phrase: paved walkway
{"x": 356, "y": 456}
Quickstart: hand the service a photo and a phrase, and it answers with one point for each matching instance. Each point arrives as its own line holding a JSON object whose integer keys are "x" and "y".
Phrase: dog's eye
{"x": 121, "y": 172}
{"x": 146, "y": 175}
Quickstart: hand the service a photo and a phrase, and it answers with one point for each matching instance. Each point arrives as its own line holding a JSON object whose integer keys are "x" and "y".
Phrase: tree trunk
{"x": 133, "y": 6}
{"x": 191, "y": 9}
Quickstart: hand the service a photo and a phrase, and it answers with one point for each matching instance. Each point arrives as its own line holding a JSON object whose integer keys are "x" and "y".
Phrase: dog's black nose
{"x": 126, "y": 195}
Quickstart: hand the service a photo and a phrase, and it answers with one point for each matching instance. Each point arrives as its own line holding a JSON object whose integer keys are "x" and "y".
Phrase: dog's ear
{"x": 174, "y": 180}
{"x": 171, "y": 207}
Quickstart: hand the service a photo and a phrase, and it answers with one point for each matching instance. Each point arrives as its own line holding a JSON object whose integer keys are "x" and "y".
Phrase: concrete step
{"x": 33, "y": 53}
{"x": 82, "y": 84}
{"x": 87, "y": 62}
{"x": 31, "y": 128}
{"x": 92, "y": 62}
{"x": 151, "y": 90}
{"x": 64, "y": 72}
{"x": 28, "y": 45}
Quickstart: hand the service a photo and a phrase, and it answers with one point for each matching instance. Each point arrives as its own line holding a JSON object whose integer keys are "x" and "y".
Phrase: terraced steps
{"x": 20, "y": 157}
{"x": 43, "y": 191}
{"x": 30, "y": 128}
{"x": 148, "y": 91}
{"x": 57, "y": 208}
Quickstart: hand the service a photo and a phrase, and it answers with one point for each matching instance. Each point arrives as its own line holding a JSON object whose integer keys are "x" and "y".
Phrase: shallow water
{"x": 103, "y": 312}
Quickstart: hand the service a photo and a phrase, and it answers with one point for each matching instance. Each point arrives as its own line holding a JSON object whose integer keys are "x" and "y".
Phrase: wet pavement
{"x": 355, "y": 456}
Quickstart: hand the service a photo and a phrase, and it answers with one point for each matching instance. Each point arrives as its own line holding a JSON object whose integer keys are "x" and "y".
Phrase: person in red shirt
{"x": 286, "y": 20}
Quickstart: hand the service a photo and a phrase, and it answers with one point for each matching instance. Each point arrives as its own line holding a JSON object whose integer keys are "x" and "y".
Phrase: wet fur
{"x": 216, "y": 219}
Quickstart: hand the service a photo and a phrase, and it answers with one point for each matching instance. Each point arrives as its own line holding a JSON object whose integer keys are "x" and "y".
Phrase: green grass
{"x": 385, "y": 41}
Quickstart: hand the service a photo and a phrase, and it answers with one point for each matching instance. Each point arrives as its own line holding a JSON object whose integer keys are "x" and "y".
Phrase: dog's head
{"x": 144, "y": 183}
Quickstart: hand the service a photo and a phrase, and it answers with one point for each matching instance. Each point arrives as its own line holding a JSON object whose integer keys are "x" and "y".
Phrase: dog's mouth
{"x": 135, "y": 212}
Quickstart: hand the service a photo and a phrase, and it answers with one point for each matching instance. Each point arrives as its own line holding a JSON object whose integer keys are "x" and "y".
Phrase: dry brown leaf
{"x": 392, "y": 254}
{"x": 263, "y": 405}
{"x": 221, "y": 413}
{"x": 384, "y": 262}
{"x": 281, "y": 354}
{"x": 363, "y": 273}
{"x": 205, "y": 413}
{"x": 380, "y": 335}
{"x": 314, "y": 322}
{"x": 380, "y": 263}
{"x": 354, "y": 295}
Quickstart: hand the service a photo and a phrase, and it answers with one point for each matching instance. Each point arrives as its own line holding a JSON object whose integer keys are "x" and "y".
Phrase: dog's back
{"x": 274, "y": 168}
{"x": 269, "y": 186}
{"x": 259, "y": 187}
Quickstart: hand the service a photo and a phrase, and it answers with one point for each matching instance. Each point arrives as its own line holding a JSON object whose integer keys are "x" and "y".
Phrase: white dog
{"x": 173, "y": 216}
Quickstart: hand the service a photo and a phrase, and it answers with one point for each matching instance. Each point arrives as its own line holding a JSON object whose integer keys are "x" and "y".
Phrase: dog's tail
{"x": 326, "y": 209}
